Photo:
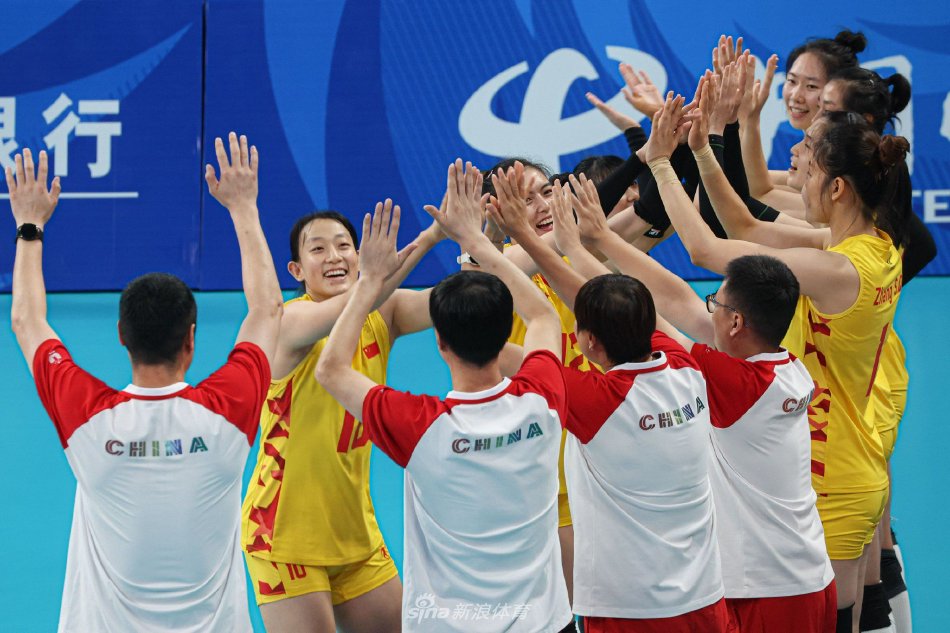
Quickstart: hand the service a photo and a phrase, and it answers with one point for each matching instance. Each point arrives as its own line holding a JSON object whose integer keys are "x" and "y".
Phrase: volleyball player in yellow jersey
{"x": 314, "y": 551}
{"x": 850, "y": 276}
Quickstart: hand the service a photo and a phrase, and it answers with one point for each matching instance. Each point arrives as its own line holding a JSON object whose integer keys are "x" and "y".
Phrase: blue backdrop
{"x": 354, "y": 101}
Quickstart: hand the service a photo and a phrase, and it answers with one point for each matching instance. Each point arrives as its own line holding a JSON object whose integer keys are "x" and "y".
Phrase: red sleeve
{"x": 592, "y": 398}
{"x": 734, "y": 385}
{"x": 542, "y": 373}
{"x": 678, "y": 357}
{"x": 69, "y": 394}
{"x": 396, "y": 420}
{"x": 237, "y": 390}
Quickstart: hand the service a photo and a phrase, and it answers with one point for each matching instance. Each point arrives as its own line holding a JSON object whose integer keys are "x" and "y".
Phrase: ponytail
{"x": 864, "y": 92}
{"x": 873, "y": 165}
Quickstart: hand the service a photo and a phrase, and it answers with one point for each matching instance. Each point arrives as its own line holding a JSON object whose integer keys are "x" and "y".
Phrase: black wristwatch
{"x": 28, "y": 232}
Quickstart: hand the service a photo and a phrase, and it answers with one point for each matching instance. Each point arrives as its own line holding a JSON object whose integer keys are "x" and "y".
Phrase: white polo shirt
{"x": 769, "y": 532}
{"x": 637, "y": 476}
{"x": 481, "y": 544}
{"x": 154, "y": 544}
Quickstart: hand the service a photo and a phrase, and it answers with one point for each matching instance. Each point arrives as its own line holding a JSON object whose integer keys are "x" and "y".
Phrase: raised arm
{"x": 674, "y": 298}
{"x": 729, "y": 207}
{"x": 753, "y": 158}
{"x": 32, "y": 204}
{"x": 462, "y": 221}
{"x": 827, "y": 277}
{"x": 236, "y": 190}
{"x": 378, "y": 261}
{"x": 512, "y": 216}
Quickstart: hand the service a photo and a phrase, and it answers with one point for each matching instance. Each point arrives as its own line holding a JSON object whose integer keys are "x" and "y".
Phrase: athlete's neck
{"x": 151, "y": 376}
{"x": 848, "y": 221}
{"x": 471, "y": 379}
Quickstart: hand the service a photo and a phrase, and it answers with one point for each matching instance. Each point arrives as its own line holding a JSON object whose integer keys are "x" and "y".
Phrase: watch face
{"x": 28, "y": 232}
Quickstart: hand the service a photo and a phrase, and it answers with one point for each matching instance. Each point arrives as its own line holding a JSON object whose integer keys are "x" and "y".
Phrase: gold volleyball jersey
{"x": 308, "y": 501}
{"x": 889, "y": 395}
{"x": 842, "y": 353}
{"x": 571, "y": 356}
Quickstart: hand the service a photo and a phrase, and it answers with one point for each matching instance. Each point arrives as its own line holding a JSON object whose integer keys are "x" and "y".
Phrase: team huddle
{"x": 616, "y": 454}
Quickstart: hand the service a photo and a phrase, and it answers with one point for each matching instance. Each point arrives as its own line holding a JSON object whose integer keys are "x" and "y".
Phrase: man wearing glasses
{"x": 775, "y": 566}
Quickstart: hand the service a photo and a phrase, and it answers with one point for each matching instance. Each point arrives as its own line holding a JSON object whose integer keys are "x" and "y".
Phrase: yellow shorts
{"x": 849, "y": 520}
{"x": 275, "y": 581}
{"x": 889, "y": 440}
{"x": 563, "y": 507}
{"x": 563, "y": 511}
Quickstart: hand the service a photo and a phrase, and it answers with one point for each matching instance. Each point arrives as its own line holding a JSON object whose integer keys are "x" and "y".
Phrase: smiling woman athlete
{"x": 314, "y": 551}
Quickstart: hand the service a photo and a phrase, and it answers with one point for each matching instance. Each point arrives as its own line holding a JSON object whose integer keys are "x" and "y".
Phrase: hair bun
{"x": 892, "y": 150}
{"x": 854, "y": 41}
{"x": 899, "y": 88}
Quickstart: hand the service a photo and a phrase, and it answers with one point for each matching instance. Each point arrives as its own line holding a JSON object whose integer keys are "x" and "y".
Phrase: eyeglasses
{"x": 711, "y": 304}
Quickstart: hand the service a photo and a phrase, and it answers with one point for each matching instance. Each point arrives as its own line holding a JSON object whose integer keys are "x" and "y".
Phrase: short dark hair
{"x": 597, "y": 168}
{"x": 765, "y": 291}
{"x": 489, "y": 187}
{"x": 473, "y": 313}
{"x": 303, "y": 221}
{"x": 619, "y": 311}
{"x": 156, "y": 312}
{"x": 834, "y": 54}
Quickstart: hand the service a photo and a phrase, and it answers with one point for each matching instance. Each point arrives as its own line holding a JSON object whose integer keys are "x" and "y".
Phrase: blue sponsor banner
{"x": 112, "y": 91}
{"x": 352, "y": 102}
{"x": 356, "y": 101}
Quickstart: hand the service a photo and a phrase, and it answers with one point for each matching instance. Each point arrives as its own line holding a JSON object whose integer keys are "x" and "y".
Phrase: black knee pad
{"x": 891, "y": 574}
{"x": 875, "y": 610}
{"x": 844, "y": 620}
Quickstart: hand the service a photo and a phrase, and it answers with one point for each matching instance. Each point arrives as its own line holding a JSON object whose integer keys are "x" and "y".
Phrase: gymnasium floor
{"x": 35, "y": 520}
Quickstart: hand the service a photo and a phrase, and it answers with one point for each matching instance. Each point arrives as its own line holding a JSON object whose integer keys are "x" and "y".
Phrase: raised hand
{"x": 730, "y": 95}
{"x": 640, "y": 92}
{"x": 619, "y": 120}
{"x": 509, "y": 210}
{"x": 30, "y": 200}
{"x": 236, "y": 189}
{"x": 591, "y": 221}
{"x": 725, "y": 53}
{"x": 699, "y": 132}
{"x": 668, "y": 124}
{"x": 566, "y": 234}
{"x": 756, "y": 93}
{"x": 461, "y": 215}
{"x": 378, "y": 256}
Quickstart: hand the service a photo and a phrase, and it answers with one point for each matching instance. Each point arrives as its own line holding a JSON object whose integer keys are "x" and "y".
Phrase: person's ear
{"x": 295, "y": 270}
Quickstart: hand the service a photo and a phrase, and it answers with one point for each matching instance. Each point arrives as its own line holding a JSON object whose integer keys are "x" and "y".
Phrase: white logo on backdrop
{"x": 542, "y": 133}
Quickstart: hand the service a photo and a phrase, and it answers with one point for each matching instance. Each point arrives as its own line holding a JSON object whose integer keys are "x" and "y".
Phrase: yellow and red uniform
{"x": 889, "y": 395}
{"x": 308, "y": 502}
{"x": 843, "y": 353}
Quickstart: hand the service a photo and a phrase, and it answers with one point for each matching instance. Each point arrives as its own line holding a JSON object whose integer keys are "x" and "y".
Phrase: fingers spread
{"x": 244, "y": 152}
{"x": 235, "y": 149}
{"x": 55, "y": 188}
{"x": 220, "y": 153}
{"x": 28, "y": 165}
{"x": 210, "y": 177}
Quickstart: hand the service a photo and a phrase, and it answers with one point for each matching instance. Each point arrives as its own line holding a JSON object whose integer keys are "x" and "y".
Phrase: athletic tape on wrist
{"x": 663, "y": 172}
{"x": 705, "y": 160}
